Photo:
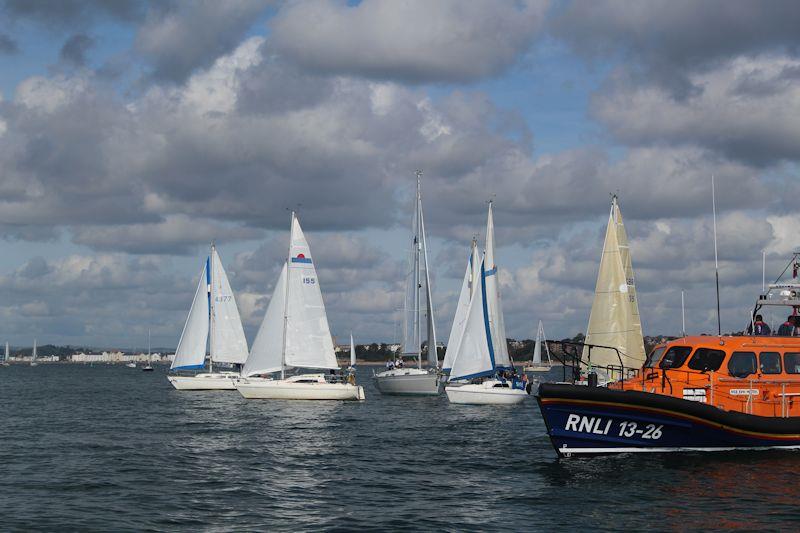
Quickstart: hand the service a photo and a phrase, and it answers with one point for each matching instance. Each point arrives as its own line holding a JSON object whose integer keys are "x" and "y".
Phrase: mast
{"x": 417, "y": 244}
{"x": 286, "y": 301}
{"x": 148, "y": 346}
{"x": 210, "y": 280}
{"x": 683, "y": 316}
{"x": 716, "y": 261}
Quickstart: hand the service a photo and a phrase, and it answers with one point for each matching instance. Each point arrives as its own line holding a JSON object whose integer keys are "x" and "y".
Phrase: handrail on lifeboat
{"x": 575, "y": 360}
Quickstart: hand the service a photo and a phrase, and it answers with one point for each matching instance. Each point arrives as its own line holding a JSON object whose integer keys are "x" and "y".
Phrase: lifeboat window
{"x": 705, "y": 359}
{"x": 791, "y": 362}
{"x": 654, "y": 357}
{"x": 742, "y": 364}
{"x": 770, "y": 362}
{"x": 675, "y": 357}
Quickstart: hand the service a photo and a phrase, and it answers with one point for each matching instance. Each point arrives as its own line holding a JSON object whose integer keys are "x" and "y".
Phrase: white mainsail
{"x": 227, "y": 340}
{"x": 307, "y": 341}
{"x": 537, "y": 350}
{"x": 495, "y": 309}
{"x": 33, "y": 355}
{"x": 266, "y": 354}
{"x": 191, "y": 351}
{"x": 418, "y": 285}
{"x": 433, "y": 354}
{"x": 462, "y": 307}
{"x": 474, "y": 353}
{"x": 614, "y": 318}
{"x": 6, "y": 355}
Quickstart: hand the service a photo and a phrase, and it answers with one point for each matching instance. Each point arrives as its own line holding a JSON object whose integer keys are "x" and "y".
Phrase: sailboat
{"x": 295, "y": 334}
{"x": 213, "y": 323}
{"x": 33, "y": 354}
{"x": 352, "y": 366}
{"x": 537, "y": 365}
{"x": 614, "y": 319}
{"x": 408, "y": 380}
{"x": 480, "y": 351}
{"x": 5, "y": 359}
{"x": 149, "y": 366}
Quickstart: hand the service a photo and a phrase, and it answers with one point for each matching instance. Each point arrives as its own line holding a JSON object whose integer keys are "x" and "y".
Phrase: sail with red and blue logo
{"x": 301, "y": 258}
{"x": 299, "y": 251}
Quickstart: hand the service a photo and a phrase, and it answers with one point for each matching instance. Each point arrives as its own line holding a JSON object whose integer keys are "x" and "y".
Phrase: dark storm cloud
{"x": 670, "y": 38}
{"x": 413, "y": 41}
{"x": 178, "y": 38}
{"x": 8, "y": 45}
{"x": 75, "y": 48}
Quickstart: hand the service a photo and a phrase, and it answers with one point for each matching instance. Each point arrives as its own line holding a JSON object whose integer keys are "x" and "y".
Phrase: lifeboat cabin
{"x": 696, "y": 393}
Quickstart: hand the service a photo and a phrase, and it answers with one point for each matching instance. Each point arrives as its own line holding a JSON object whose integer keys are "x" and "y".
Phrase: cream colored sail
{"x": 614, "y": 319}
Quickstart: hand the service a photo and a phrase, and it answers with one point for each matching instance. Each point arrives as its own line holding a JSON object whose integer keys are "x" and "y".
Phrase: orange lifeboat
{"x": 706, "y": 393}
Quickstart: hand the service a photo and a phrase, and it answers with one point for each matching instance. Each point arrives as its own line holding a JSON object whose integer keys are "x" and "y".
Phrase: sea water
{"x": 106, "y": 447}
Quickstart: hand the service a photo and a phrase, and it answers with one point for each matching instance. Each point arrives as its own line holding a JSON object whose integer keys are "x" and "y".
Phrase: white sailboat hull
{"x": 302, "y": 387}
{"x": 208, "y": 381}
{"x": 407, "y": 382}
{"x": 537, "y": 368}
{"x": 490, "y": 392}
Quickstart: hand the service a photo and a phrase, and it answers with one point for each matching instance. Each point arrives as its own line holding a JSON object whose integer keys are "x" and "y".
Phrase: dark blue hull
{"x": 594, "y": 420}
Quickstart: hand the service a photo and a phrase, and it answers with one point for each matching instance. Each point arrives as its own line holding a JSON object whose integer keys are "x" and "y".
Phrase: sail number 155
{"x": 309, "y": 281}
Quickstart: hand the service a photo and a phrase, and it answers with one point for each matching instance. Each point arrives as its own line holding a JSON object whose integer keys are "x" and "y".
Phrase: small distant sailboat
{"x": 480, "y": 349}
{"x": 614, "y": 319}
{"x": 148, "y": 367}
{"x": 408, "y": 380}
{"x": 33, "y": 355}
{"x": 5, "y": 358}
{"x": 352, "y": 366}
{"x": 214, "y": 325}
{"x": 295, "y": 334}
{"x": 537, "y": 365}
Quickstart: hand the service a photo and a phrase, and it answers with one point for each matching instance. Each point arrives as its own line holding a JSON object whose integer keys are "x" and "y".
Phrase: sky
{"x": 134, "y": 133}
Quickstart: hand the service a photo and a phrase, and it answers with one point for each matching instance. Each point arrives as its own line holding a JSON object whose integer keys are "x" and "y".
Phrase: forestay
{"x": 227, "y": 340}
{"x": 308, "y": 342}
{"x": 267, "y": 350}
{"x": 191, "y": 351}
{"x": 474, "y": 353}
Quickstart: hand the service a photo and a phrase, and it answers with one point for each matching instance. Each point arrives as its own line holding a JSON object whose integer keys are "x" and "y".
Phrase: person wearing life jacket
{"x": 760, "y": 327}
{"x": 787, "y": 329}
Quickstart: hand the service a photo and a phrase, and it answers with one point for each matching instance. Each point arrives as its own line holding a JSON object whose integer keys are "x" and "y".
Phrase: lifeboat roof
{"x": 736, "y": 341}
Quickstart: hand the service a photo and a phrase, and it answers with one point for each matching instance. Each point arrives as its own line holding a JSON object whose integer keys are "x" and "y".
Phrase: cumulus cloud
{"x": 745, "y": 110}
{"x": 8, "y": 46}
{"x": 74, "y": 50}
{"x": 66, "y": 14}
{"x": 414, "y": 41}
{"x": 673, "y": 38}
{"x": 178, "y": 38}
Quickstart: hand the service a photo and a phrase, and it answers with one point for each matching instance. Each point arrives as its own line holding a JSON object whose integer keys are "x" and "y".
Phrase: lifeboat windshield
{"x": 654, "y": 357}
{"x": 706, "y": 359}
{"x": 675, "y": 357}
{"x": 742, "y": 364}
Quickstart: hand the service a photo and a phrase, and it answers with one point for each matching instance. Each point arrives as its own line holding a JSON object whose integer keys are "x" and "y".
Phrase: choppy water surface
{"x": 112, "y": 448}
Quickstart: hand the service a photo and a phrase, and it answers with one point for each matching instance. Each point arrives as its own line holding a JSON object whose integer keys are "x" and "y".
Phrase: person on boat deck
{"x": 759, "y": 327}
{"x": 389, "y": 365}
{"x": 399, "y": 363}
{"x": 787, "y": 329}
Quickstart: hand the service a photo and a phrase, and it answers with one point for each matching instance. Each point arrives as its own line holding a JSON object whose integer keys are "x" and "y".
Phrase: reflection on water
{"x": 108, "y": 447}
